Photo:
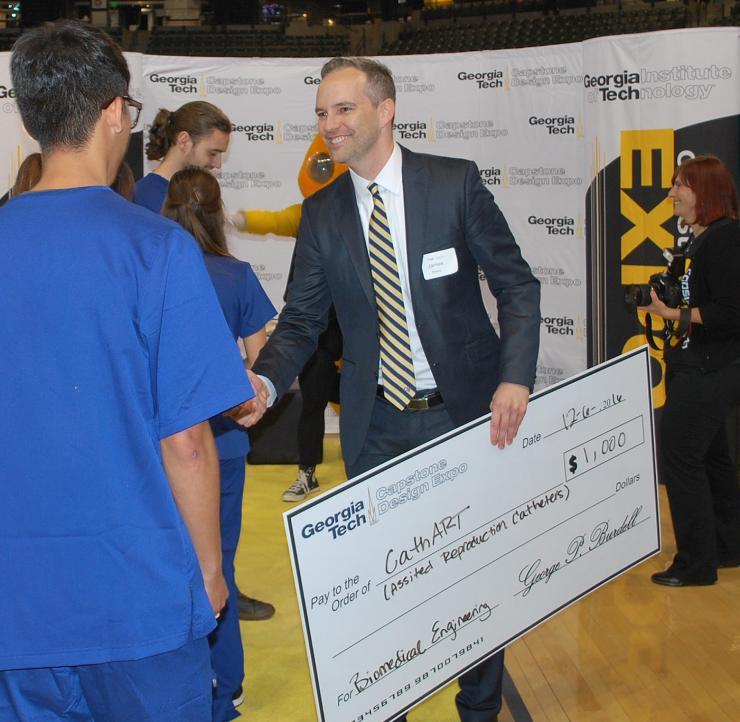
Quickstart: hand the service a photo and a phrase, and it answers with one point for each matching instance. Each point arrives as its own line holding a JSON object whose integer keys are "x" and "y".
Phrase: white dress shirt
{"x": 390, "y": 184}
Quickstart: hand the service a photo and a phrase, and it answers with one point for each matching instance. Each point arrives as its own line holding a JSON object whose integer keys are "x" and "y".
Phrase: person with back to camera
{"x": 421, "y": 356}
{"x": 197, "y": 134}
{"x": 111, "y": 556}
{"x": 194, "y": 201}
{"x": 703, "y": 379}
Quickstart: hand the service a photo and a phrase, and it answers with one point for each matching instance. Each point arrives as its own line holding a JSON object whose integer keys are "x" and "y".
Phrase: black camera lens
{"x": 638, "y": 294}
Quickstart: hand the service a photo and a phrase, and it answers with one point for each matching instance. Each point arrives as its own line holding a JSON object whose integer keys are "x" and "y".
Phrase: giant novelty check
{"x": 417, "y": 570}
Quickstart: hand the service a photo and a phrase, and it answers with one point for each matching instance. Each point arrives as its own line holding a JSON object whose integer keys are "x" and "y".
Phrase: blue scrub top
{"x": 150, "y": 192}
{"x": 113, "y": 339}
{"x": 247, "y": 309}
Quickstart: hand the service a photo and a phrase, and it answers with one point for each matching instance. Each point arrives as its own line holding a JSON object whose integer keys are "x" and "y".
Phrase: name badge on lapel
{"x": 439, "y": 263}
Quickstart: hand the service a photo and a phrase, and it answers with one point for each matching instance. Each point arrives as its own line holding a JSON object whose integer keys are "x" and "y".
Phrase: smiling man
{"x": 395, "y": 244}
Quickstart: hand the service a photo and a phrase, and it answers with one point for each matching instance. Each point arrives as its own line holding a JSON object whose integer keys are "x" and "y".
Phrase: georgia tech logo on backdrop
{"x": 255, "y": 132}
{"x": 564, "y": 326}
{"x": 555, "y": 276}
{"x": 544, "y": 76}
{"x": 412, "y": 130}
{"x": 554, "y": 226}
{"x": 7, "y": 99}
{"x": 412, "y": 84}
{"x": 686, "y": 82}
{"x": 239, "y": 85}
{"x": 178, "y": 84}
{"x": 494, "y": 176}
{"x": 485, "y": 80}
{"x": 558, "y": 124}
{"x": 292, "y": 132}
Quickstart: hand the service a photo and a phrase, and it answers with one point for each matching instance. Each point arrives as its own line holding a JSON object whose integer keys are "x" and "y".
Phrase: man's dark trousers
{"x": 394, "y": 432}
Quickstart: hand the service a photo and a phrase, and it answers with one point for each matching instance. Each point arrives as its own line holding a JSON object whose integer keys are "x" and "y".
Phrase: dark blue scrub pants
{"x": 227, "y": 654}
{"x": 394, "y": 432}
{"x": 170, "y": 687}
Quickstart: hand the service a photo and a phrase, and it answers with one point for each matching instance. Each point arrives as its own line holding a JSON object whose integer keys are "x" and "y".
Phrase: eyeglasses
{"x": 131, "y": 103}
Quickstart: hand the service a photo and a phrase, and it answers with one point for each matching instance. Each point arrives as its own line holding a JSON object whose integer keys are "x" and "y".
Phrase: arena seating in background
{"x": 528, "y": 30}
{"x": 237, "y": 42}
{"x": 7, "y": 37}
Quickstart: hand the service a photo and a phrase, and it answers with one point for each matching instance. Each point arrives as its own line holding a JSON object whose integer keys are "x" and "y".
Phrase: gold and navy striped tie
{"x": 397, "y": 366}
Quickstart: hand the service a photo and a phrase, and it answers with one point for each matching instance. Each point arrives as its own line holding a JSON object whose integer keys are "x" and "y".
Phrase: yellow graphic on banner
{"x": 646, "y": 223}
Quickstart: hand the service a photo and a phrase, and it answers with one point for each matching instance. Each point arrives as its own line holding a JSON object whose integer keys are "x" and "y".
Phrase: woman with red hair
{"x": 703, "y": 379}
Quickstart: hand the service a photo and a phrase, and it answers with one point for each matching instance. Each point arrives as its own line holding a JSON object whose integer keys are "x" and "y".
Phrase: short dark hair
{"x": 712, "y": 183}
{"x": 380, "y": 84}
{"x": 64, "y": 73}
{"x": 199, "y": 118}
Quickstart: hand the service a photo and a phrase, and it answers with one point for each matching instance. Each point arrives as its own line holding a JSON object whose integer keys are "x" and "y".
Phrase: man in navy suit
{"x": 443, "y": 225}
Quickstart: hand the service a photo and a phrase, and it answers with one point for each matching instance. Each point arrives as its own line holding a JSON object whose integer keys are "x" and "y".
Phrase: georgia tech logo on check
{"x": 339, "y": 523}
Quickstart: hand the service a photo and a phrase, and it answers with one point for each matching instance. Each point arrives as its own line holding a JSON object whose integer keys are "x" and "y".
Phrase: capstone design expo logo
{"x": 240, "y": 85}
{"x": 544, "y": 76}
{"x": 548, "y": 375}
{"x": 466, "y": 130}
{"x": 412, "y": 84}
{"x": 685, "y": 82}
{"x": 245, "y": 179}
{"x": 295, "y": 132}
{"x": 555, "y": 276}
{"x": 412, "y": 487}
{"x": 542, "y": 176}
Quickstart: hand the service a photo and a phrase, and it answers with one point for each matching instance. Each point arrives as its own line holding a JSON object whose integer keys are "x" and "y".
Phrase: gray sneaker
{"x": 306, "y": 483}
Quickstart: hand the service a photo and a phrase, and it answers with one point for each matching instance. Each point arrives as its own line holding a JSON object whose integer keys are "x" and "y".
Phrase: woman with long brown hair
{"x": 194, "y": 201}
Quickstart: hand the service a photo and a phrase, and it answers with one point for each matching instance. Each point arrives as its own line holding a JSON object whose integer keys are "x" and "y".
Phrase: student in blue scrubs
{"x": 195, "y": 134}
{"x": 116, "y": 355}
{"x": 194, "y": 201}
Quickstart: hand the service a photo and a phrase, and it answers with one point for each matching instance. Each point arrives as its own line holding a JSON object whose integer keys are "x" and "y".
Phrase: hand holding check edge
{"x": 508, "y": 406}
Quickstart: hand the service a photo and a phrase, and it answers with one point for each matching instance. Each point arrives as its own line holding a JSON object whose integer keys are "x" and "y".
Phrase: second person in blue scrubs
{"x": 194, "y": 201}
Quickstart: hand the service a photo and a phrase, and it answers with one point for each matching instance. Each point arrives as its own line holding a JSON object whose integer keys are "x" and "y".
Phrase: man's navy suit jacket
{"x": 446, "y": 207}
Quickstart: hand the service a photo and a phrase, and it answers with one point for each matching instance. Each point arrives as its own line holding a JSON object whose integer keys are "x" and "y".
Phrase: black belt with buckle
{"x": 421, "y": 401}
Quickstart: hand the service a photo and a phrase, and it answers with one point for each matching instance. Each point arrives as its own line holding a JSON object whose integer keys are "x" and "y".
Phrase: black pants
{"x": 391, "y": 433}
{"x": 319, "y": 382}
{"x": 699, "y": 475}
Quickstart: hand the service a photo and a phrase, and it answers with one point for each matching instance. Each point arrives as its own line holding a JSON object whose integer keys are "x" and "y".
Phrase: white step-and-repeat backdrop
{"x": 543, "y": 124}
